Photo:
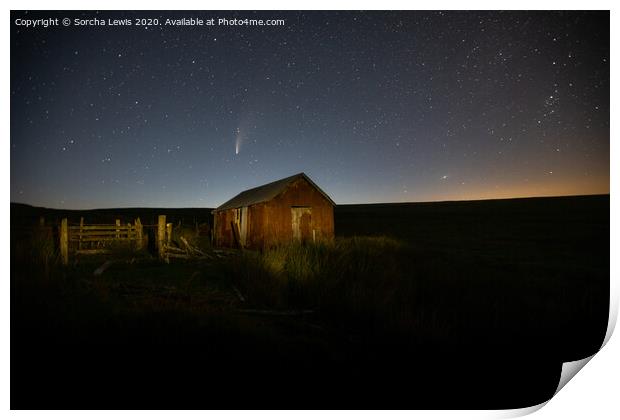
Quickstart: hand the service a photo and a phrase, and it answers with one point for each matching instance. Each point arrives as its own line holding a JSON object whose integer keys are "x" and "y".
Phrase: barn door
{"x": 301, "y": 222}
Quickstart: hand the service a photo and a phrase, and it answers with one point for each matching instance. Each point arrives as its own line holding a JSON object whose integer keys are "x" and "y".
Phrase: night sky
{"x": 373, "y": 106}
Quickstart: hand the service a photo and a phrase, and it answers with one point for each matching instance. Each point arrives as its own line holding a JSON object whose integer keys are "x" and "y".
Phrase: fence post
{"x": 161, "y": 235}
{"x": 118, "y": 232}
{"x": 81, "y": 229}
{"x": 138, "y": 225}
{"x": 168, "y": 233}
{"x": 64, "y": 242}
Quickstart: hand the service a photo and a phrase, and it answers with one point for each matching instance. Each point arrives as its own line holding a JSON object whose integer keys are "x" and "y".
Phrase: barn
{"x": 291, "y": 209}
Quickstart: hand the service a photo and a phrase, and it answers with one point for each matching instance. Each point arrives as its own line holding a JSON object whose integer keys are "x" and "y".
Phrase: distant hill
{"x": 22, "y": 214}
{"x": 399, "y": 213}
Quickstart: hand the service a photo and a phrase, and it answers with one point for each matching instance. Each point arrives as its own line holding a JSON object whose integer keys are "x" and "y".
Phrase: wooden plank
{"x": 102, "y": 239}
{"x": 64, "y": 242}
{"x": 101, "y": 227}
{"x": 112, "y": 233}
{"x": 188, "y": 248}
{"x": 96, "y": 228}
{"x": 239, "y": 295}
{"x": 161, "y": 235}
{"x": 235, "y": 231}
{"x": 102, "y": 233}
{"x": 81, "y": 229}
{"x": 168, "y": 233}
{"x": 174, "y": 248}
{"x": 101, "y": 269}
{"x": 182, "y": 256}
{"x": 243, "y": 226}
{"x": 92, "y": 251}
{"x": 86, "y": 238}
{"x": 275, "y": 313}
{"x": 192, "y": 250}
{"x": 138, "y": 225}
{"x": 93, "y": 224}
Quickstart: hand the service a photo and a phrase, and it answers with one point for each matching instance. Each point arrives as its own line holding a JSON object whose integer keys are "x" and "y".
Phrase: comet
{"x": 238, "y": 141}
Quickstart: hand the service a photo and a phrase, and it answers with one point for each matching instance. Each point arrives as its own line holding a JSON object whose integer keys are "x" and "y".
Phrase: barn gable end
{"x": 293, "y": 208}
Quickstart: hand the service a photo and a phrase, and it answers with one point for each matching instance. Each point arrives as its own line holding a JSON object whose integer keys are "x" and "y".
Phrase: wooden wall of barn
{"x": 223, "y": 229}
{"x": 270, "y": 223}
{"x": 278, "y": 221}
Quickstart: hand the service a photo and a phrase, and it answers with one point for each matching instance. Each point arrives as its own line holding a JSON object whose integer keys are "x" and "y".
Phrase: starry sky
{"x": 373, "y": 106}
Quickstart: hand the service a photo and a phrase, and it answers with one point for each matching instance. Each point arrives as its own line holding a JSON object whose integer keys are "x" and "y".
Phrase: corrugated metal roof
{"x": 266, "y": 192}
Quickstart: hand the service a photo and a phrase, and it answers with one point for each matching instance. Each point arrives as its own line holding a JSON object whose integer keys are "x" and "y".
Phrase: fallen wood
{"x": 103, "y": 267}
{"x": 92, "y": 251}
{"x": 182, "y": 256}
{"x": 239, "y": 295}
{"x": 198, "y": 251}
{"x": 174, "y": 248}
{"x": 275, "y": 313}
{"x": 188, "y": 247}
{"x": 222, "y": 253}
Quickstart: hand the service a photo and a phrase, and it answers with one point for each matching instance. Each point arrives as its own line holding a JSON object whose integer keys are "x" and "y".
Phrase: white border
{"x": 592, "y": 395}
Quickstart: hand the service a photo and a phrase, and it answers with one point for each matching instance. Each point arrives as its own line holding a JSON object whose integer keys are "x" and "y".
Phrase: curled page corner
{"x": 520, "y": 412}
{"x": 569, "y": 370}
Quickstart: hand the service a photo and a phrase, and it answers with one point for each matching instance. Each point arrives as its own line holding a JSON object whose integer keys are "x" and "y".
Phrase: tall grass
{"x": 34, "y": 248}
{"x": 364, "y": 283}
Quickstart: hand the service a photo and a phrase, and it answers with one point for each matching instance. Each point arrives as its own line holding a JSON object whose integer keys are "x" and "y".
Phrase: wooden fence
{"x": 99, "y": 238}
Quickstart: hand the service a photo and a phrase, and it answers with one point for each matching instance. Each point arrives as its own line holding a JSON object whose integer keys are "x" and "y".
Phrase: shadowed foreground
{"x": 432, "y": 305}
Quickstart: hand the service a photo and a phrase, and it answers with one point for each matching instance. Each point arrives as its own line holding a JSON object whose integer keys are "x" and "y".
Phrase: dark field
{"x": 430, "y": 305}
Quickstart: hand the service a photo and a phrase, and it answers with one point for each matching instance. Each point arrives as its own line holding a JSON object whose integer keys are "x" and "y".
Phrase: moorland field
{"x": 416, "y": 305}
